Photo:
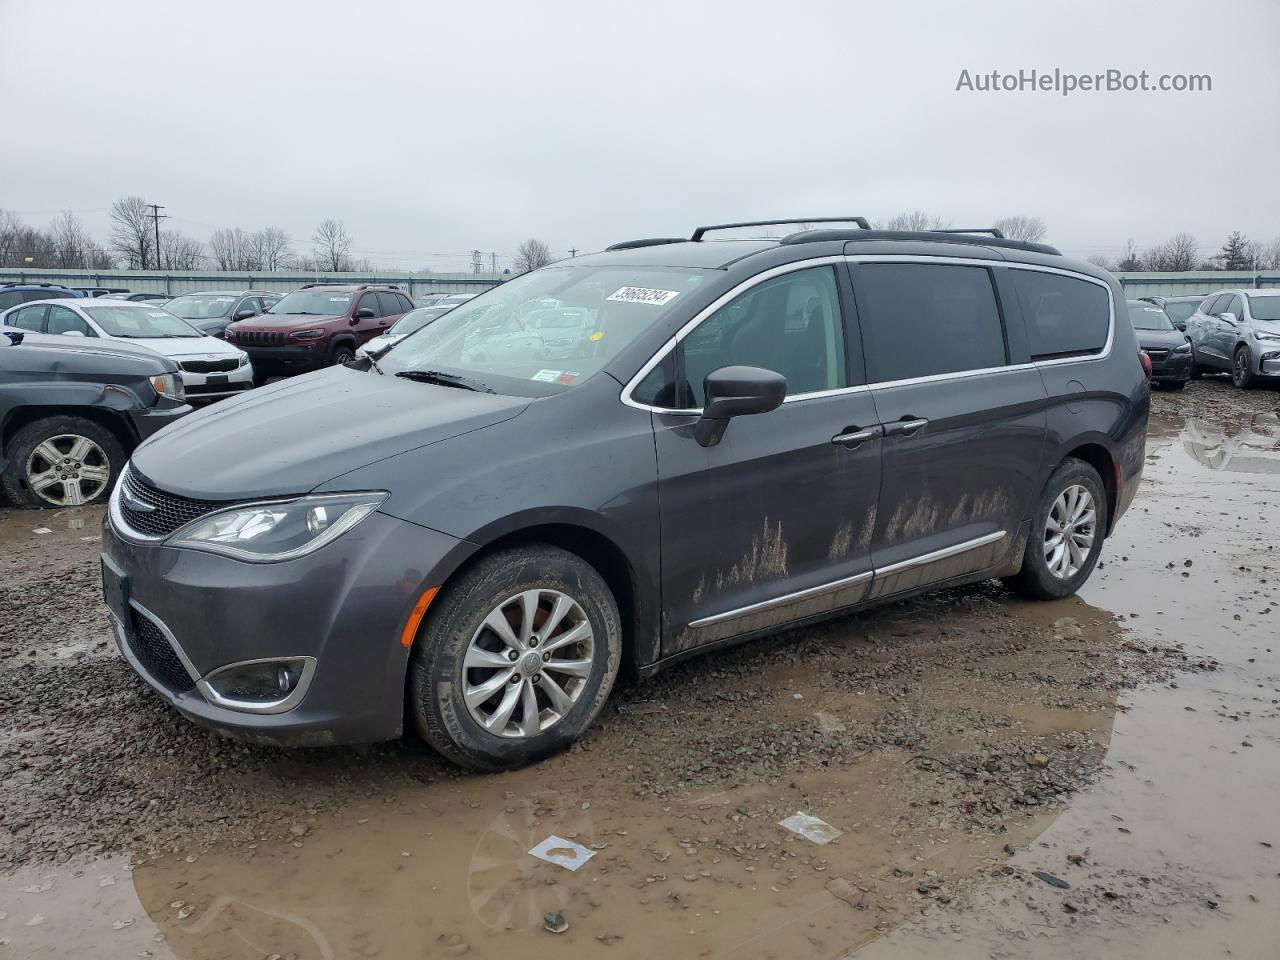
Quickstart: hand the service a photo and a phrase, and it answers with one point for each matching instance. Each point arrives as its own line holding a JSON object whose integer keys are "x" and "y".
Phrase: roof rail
{"x": 698, "y": 233}
{"x": 649, "y": 242}
{"x": 325, "y": 283}
{"x": 937, "y": 236}
{"x": 994, "y": 231}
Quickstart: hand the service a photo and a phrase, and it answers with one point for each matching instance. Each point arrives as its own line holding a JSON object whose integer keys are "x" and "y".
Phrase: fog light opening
{"x": 261, "y": 686}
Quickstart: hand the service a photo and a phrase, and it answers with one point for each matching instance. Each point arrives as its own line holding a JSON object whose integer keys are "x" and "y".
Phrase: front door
{"x": 963, "y": 428}
{"x": 773, "y": 523}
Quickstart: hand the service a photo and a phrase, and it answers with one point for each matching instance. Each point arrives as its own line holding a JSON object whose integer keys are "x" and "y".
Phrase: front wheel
{"x": 1066, "y": 534}
{"x": 61, "y": 462}
{"x": 1242, "y": 368}
{"x": 516, "y": 658}
{"x": 1197, "y": 371}
{"x": 342, "y": 354}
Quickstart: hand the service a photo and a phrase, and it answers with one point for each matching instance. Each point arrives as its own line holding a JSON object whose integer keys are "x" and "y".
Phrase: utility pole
{"x": 476, "y": 261}
{"x": 156, "y": 217}
{"x": 493, "y": 262}
{"x": 573, "y": 251}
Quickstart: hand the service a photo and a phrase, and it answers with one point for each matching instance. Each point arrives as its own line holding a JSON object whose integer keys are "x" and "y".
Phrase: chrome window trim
{"x": 946, "y": 553}
{"x": 785, "y": 599}
{"x": 785, "y": 268}
{"x": 283, "y": 705}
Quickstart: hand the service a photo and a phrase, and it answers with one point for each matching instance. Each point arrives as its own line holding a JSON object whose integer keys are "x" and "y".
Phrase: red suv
{"x": 319, "y": 325}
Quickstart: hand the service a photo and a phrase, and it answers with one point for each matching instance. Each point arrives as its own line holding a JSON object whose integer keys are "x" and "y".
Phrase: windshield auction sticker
{"x": 547, "y": 376}
{"x": 643, "y": 295}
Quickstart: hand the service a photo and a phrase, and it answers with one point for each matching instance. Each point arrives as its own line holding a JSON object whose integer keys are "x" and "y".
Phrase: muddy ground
{"x": 1125, "y": 745}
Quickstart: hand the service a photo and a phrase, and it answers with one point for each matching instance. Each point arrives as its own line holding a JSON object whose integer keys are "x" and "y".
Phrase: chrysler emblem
{"x": 133, "y": 503}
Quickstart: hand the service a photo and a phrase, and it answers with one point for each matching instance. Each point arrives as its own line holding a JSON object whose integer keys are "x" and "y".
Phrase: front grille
{"x": 157, "y": 656}
{"x": 259, "y": 338}
{"x": 210, "y": 366}
{"x": 218, "y": 389}
{"x": 170, "y": 513}
{"x": 1158, "y": 356}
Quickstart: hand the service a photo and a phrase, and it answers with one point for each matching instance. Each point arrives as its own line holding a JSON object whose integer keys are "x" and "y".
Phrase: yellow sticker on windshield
{"x": 598, "y": 335}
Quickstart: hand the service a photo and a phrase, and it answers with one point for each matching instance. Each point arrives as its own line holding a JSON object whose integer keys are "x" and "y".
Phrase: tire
{"x": 1242, "y": 374}
{"x": 79, "y": 457}
{"x": 1037, "y": 579}
{"x": 1176, "y": 385}
{"x": 1197, "y": 371}
{"x": 456, "y": 626}
{"x": 342, "y": 353}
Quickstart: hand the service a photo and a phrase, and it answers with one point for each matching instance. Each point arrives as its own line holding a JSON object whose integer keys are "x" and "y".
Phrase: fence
{"x": 173, "y": 283}
{"x": 1199, "y": 281}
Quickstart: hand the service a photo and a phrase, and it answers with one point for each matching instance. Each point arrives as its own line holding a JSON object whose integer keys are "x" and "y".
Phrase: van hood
{"x": 292, "y": 436}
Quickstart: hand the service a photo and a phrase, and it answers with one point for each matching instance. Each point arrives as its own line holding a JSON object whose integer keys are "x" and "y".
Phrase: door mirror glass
{"x": 364, "y": 313}
{"x": 244, "y": 314}
{"x": 736, "y": 392}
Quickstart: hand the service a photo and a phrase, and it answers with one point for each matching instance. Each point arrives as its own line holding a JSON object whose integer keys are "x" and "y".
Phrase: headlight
{"x": 279, "y": 530}
{"x": 243, "y": 360}
{"x": 1259, "y": 335}
{"x": 169, "y": 385}
{"x": 307, "y": 334}
{"x": 1182, "y": 348}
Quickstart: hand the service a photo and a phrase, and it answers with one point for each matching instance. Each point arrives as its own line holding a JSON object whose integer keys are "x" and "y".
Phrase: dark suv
{"x": 749, "y": 435}
{"x": 71, "y": 409}
{"x": 317, "y": 326}
{"x": 12, "y": 294}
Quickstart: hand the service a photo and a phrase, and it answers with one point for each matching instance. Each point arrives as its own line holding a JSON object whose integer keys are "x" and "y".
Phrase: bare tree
{"x": 531, "y": 255}
{"x": 229, "y": 249}
{"x": 180, "y": 252}
{"x": 132, "y": 232}
{"x": 915, "y": 220}
{"x": 1270, "y": 256}
{"x": 332, "y": 246}
{"x": 274, "y": 248}
{"x": 70, "y": 239}
{"x": 1022, "y": 227}
{"x": 1130, "y": 262}
{"x": 1106, "y": 263}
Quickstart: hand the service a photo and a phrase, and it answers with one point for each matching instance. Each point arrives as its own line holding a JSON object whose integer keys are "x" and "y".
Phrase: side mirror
{"x": 736, "y": 392}
{"x": 1228, "y": 317}
{"x": 244, "y": 315}
{"x": 364, "y": 313}
{"x": 1181, "y": 325}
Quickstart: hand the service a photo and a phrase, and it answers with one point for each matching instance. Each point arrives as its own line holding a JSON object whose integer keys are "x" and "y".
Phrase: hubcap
{"x": 1069, "y": 531}
{"x": 68, "y": 470}
{"x": 528, "y": 663}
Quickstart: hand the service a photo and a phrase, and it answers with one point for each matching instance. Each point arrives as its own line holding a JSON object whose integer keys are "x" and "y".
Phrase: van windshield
{"x": 498, "y": 335}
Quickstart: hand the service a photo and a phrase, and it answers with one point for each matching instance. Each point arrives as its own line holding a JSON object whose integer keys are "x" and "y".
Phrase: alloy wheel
{"x": 68, "y": 470}
{"x": 1069, "y": 531}
{"x": 1240, "y": 370}
{"x": 528, "y": 663}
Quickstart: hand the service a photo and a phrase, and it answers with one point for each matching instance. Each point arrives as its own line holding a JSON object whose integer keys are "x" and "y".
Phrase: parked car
{"x": 411, "y": 322}
{"x": 1166, "y": 345}
{"x": 1179, "y": 309}
{"x": 210, "y": 311}
{"x": 99, "y": 291}
{"x": 317, "y": 326}
{"x": 482, "y": 545}
{"x": 12, "y": 294}
{"x": 429, "y": 300}
{"x": 1238, "y": 331}
{"x": 135, "y": 297}
{"x": 210, "y": 368}
{"x": 71, "y": 410}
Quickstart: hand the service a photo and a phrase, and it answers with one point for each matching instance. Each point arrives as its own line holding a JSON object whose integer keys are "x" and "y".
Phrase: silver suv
{"x": 1239, "y": 331}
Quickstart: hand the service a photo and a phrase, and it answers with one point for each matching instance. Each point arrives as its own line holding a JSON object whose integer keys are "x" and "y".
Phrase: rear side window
{"x": 28, "y": 318}
{"x": 1065, "y": 316}
{"x": 390, "y": 304}
{"x": 923, "y": 319}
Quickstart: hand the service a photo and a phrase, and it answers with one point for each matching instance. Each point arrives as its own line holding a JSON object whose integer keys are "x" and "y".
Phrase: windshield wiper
{"x": 445, "y": 380}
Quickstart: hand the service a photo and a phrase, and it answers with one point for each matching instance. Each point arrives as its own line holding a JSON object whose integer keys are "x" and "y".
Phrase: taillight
{"x": 1146, "y": 364}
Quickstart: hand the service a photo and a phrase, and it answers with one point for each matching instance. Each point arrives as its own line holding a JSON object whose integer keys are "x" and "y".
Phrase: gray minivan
{"x": 750, "y": 435}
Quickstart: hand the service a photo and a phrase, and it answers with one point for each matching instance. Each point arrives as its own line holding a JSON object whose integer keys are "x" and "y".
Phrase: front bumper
{"x": 149, "y": 420}
{"x": 311, "y": 355}
{"x": 201, "y": 387}
{"x": 1269, "y": 365}
{"x": 1176, "y": 367}
{"x": 345, "y": 605}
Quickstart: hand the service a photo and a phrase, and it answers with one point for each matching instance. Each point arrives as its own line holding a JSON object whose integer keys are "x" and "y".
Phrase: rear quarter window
{"x": 1065, "y": 316}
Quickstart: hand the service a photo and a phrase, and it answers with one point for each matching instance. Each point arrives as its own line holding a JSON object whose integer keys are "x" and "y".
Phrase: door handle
{"x": 906, "y": 427}
{"x": 853, "y": 438}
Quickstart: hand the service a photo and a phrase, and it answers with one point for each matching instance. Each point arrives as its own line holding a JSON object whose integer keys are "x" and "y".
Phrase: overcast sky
{"x": 431, "y": 129}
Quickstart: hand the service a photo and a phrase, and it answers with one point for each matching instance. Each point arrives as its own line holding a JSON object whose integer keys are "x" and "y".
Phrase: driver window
{"x": 790, "y": 324}
{"x": 62, "y": 320}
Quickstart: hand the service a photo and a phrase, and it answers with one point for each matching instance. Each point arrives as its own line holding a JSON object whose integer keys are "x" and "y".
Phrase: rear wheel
{"x": 61, "y": 462}
{"x": 1066, "y": 534}
{"x": 1242, "y": 368}
{"x": 515, "y": 659}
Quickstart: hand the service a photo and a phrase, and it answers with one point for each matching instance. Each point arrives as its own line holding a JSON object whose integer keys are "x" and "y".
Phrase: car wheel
{"x": 1066, "y": 534}
{"x": 1242, "y": 368}
{"x": 1197, "y": 371}
{"x": 342, "y": 353}
{"x": 61, "y": 462}
{"x": 515, "y": 659}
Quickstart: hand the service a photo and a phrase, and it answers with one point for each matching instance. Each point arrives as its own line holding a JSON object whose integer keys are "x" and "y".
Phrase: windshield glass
{"x": 319, "y": 303}
{"x": 497, "y": 339}
{"x": 200, "y": 306}
{"x": 122, "y": 321}
{"x": 1180, "y": 311}
{"x": 1264, "y": 308}
{"x": 1147, "y": 316}
{"x": 415, "y": 320}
